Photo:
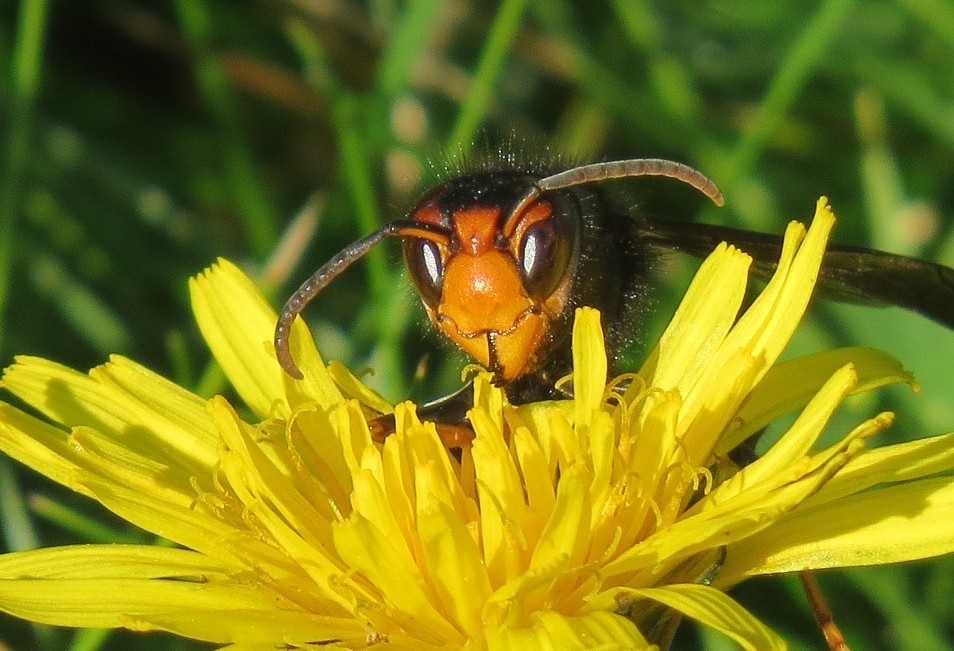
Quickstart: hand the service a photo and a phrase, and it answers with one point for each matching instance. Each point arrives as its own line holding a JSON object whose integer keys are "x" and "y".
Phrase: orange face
{"x": 482, "y": 287}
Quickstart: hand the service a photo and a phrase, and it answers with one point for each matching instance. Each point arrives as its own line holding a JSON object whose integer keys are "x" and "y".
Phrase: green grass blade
{"x": 251, "y": 198}
{"x": 491, "y": 62}
{"x": 27, "y": 59}
{"x": 404, "y": 47}
{"x": 806, "y": 54}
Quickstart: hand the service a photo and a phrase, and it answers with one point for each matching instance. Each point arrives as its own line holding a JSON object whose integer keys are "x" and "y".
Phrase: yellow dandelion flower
{"x": 573, "y": 524}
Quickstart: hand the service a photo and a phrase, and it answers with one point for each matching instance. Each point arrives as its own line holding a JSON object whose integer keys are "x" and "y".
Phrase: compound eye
{"x": 424, "y": 262}
{"x": 545, "y": 254}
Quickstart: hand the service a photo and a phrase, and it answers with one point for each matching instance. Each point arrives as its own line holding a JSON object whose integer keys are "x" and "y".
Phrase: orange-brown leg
{"x": 454, "y": 436}
{"x": 833, "y": 636}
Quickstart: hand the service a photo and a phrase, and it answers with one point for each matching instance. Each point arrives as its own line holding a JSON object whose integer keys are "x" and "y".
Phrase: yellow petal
{"x": 537, "y": 417}
{"x": 389, "y": 567}
{"x": 713, "y": 523}
{"x": 656, "y": 433}
{"x": 238, "y": 325}
{"x": 564, "y": 539}
{"x": 129, "y": 425}
{"x": 39, "y": 445}
{"x": 260, "y": 629}
{"x": 919, "y": 524}
{"x": 753, "y": 344}
{"x": 539, "y": 482}
{"x": 173, "y": 417}
{"x": 229, "y": 541}
{"x": 767, "y": 326}
{"x": 888, "y": 464}
{"x": 76, "y": 458}
{"x": 455, "y": 566}
{"x": 699, "y": 326}
{"x": 603, "y": 454}
{"x": 437, "y": 479}
{"x": 711, "y": 405}
{"x": 799, "y": 438}
{"x": 710, "y": 607}
{"x": 354, "y": 388}
{"x": 589, "y": 364}
{"x": 120, "y": 399}
{"x": 110, "y": 562}
{"x": 121, "y": 463}
{"x": 316, "y": 385}
{"x": 354, "y": 436}
{"x": 321, "y": 458}
{"x": 790, "y": 385}
{"x": 598, "y": 630}
{"x": 502, "y": 501}
{"x": 273, "y": 497}
{"x": 111, "y": 587}
{"x": 259, "y": 477}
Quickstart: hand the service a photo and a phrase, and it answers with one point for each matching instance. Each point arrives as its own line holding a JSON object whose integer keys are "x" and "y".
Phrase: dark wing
{"x": 849, "y": 274}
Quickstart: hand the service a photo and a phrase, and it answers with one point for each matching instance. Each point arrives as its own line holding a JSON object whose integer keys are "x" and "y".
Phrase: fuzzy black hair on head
{"x": 513, "y": 153}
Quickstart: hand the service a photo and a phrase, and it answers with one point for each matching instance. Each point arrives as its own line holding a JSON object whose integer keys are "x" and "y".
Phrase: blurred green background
{"x": 140, "y": 140}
